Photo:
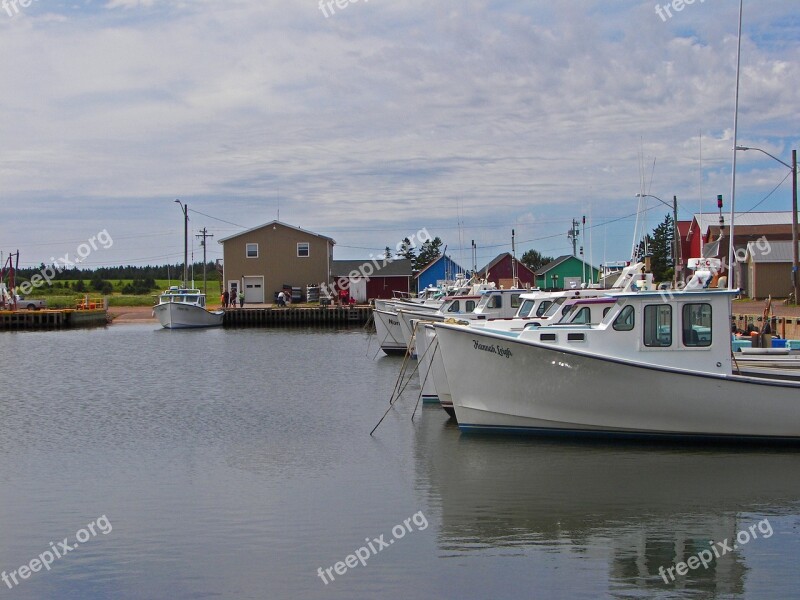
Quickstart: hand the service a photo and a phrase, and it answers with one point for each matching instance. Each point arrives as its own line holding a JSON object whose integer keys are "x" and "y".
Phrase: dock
{"x": 297, "y": 316}
{"x": 68, "y": 318}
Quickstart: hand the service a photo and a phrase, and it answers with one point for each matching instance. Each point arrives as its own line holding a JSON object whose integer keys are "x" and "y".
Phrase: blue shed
{"x": 436, "y": 272}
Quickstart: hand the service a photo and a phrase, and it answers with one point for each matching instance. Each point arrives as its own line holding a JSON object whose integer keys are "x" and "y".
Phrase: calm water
{"x": 234, "y": 464}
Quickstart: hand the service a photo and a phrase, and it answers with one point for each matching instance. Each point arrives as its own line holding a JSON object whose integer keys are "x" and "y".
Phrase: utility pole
{"x": 204, "y": 234}
{"x": 572, "y": 235}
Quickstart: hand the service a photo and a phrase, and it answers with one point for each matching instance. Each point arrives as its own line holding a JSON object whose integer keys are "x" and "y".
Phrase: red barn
{"x": 369, "y": 279}
{"x": 500, "y": 272}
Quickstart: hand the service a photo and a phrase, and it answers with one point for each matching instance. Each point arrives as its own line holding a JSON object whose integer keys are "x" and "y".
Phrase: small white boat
{"x": 182, "y": 308}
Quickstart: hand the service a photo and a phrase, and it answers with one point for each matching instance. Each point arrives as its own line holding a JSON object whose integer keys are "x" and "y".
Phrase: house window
{"x": 697, "y": 325}
{"x": 302, "y": 249}
{"x": 252, "y": 250}
{"x": 658, "y": 325}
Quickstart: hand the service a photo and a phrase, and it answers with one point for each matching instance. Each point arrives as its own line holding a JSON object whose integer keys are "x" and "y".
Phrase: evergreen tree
{"x": 535, "y": 260}
{"x": 659, "y": 247}
{"x": 407, "y": 250}
{"x": 428, "y": 252}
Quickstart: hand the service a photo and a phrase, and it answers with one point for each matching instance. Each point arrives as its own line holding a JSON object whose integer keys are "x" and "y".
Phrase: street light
{"x": 793, "y": 169}
{"x": 675, "y": 233}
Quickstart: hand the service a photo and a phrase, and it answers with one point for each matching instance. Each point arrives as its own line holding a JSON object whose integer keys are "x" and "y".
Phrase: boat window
{"x": 515, "y": 300}
{"x": 496, "y": 301}
{"x": 543, "y": 307}
{"x": 252, "y": 250}
{"x": 453, "y": 308}
{"x": 584, "y": 316}
{"x": 697, "y": 325}
{"x": 553, "y": 308}
{"x": 526, "y": 308}
{"x": 470, "y": 305}
{"x": 567, "y": 309}
{"x": 605, "y": 311}
{"x": 658, "y": 325}
{"x": 625, "y": 319}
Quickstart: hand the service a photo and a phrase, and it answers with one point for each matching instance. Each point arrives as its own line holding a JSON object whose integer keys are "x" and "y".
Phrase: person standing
{"x": 233, "y": 297}
{"x": 225, "y": 299}
{"x": 241, "y": 298}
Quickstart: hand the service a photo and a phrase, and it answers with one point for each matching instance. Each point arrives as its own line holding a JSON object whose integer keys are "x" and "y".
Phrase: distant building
{"x": 264, "y": 259}
{"x": 566, "y": 272}
{"x": 381, "y": 280}
{"x": 769, "y": 269}
{"x": 500, "y": 272}
{"x": 749, "y": 227}
{"x": 437, "y": 272}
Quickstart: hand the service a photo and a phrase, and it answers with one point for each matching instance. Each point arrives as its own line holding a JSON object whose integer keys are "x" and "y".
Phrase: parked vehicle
{"x": 30, "y": 303}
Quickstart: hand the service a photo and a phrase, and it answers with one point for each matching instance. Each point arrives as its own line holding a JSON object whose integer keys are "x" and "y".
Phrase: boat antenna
{"x": 700, "y": 223}
{"x": 731, "y": 256}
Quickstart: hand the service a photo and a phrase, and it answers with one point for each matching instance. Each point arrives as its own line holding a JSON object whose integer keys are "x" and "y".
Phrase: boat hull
{"x": 175, "y": 315}
{"x": 498, "y": 382}
{"x": 387, "y": 329}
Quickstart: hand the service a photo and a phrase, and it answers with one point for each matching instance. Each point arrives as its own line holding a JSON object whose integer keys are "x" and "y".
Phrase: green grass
{"x": 64, "y": 297}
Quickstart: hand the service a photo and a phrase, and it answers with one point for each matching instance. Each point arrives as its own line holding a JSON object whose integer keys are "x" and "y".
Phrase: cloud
{"x": 398, "y": 114}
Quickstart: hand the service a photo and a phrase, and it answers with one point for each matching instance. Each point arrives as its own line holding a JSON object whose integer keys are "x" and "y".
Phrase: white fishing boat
{"x": 182, "y": 308}
{"x": 659, "y": 364}
{"x": 185, "y": 307}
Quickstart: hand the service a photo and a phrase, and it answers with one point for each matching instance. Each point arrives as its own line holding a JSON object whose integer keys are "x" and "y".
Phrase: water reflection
{"x": 634, "y": 507}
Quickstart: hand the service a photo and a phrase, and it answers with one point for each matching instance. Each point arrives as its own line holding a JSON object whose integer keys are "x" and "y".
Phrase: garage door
{"x": 254, "y": 290}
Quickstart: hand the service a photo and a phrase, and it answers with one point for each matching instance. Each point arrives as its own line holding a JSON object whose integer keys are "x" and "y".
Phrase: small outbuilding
{"x": 500, "y": 271}
{"x": 769, "y": 269}
{"x": 565, "y": 272}
{"x": 374, "y": 278}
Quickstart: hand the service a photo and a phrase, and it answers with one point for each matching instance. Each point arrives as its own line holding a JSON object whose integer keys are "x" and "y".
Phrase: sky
{"x": 370, "y": 120}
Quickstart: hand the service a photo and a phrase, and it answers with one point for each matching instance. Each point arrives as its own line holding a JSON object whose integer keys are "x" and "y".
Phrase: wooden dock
{"x": 21, "y": 320}
{"x": 297, "y": 316}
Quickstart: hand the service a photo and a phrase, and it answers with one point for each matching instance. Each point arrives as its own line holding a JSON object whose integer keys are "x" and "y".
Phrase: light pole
{"x": 675, "y": 233}
{"x": 793, "y": 168}
{"x": 185, "y": 210}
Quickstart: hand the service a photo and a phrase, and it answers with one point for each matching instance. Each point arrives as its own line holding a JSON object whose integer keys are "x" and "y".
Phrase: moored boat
{"x": 659, "y": 364}
{"x": 183, "y": 308}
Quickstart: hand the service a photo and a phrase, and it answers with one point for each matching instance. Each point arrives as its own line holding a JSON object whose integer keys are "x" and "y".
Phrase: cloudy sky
{"x": 368, "y": 122}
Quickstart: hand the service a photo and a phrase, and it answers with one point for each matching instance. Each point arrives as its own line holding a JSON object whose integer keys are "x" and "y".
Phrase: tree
{"x": 535, "y": 260}
{"x": 659, "y": 247}
{"x": 407, "y": 250}
{"x": 428, "y": 252}
{"x": 387, "y": 253}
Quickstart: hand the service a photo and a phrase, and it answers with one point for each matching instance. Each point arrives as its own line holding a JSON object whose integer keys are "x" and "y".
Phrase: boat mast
{"x": 731, "y": 256}
{"x": 185, "y": 210}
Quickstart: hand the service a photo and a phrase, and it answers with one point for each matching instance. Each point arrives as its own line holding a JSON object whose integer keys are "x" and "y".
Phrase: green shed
{"x": 565, "y": 272}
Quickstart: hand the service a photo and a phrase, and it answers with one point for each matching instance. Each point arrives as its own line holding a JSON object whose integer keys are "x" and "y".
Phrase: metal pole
{"x": 731, "y": 256}
{"x": 794, "y": 224}
{"x": 675, "y": 242}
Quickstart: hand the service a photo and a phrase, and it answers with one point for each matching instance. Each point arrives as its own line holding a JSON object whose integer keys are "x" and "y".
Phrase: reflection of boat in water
{"x": 634, "y": 507}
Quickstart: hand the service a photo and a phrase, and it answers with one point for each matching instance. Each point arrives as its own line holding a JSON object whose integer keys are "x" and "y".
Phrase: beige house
{"x": 264, "y": 259}
{"x": 769, "y": 269}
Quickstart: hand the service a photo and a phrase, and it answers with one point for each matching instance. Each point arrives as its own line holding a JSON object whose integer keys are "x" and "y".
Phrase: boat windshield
{"x": 553, "y": 308}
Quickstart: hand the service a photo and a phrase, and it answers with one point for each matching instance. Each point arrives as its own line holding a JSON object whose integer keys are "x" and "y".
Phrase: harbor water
{"x": 237, "y": 463}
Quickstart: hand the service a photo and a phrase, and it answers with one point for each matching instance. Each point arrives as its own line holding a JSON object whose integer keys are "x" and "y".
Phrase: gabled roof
{"x": 561, "y": 259}
{"x": 400, "y": 267}
{"x": 271, "y": 223}
{"x": 780, "y": 252}
{"x": 748, "y": 219}
{"x": 436, "y": 260}
{"x": 499, "y": 258}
